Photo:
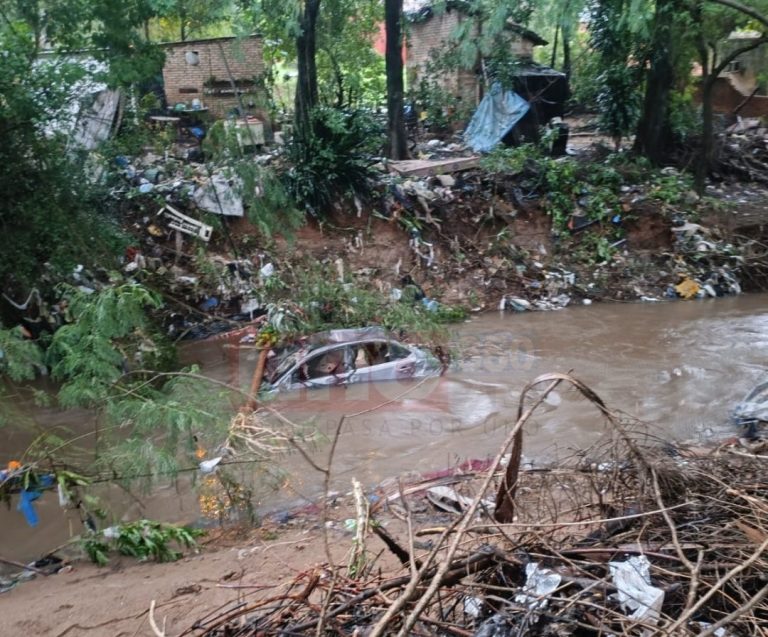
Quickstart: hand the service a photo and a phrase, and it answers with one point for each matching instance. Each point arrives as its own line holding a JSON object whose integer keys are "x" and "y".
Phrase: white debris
{"x": 540, "y": 583}
{"x": 633, "y": 581}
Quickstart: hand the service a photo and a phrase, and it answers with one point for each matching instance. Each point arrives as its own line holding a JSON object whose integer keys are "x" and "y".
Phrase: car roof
{"x": 351, "y": 335}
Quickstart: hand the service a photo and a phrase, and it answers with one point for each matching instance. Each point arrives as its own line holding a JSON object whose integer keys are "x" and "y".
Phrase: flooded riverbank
{"x": 679, "y": 366}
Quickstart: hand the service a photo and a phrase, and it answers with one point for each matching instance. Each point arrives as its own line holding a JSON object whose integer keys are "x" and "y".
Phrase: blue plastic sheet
{"x": 497, "y": 114}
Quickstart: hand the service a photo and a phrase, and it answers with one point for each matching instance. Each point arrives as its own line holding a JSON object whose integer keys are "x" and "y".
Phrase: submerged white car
{"x": 339, "y": 357}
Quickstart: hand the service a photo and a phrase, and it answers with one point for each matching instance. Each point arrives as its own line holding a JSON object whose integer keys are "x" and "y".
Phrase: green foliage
{"x": 440, "y": 107}
{"x": 272, "y": 210}
{"x": 180, "y": 19}
{"x": 350, "y": 72}
{"x": 134, "y": 134}
{"x": 510, "y": 160}
{"x": 143, "y": 540}
{"x": 51, "y": 214}
{"x": 335, "y": 161}
{"x": 670, "y": 187}
{"x": 160, "y": 425}
{"x": 567, "y": 185}
{"x": 319, "y": 300}
{"x": 594, "y": 248}
{"x": 20, "y": 358}
{"x": 684, "y": 115}
{"x": 584, "y": 82}
{"x": 109, "y": 332}
{"x": 148, "y": 424}
{"x": 467, "y": 43}
{"x": 618, "y": 42}
{"x": 618, "y": 101}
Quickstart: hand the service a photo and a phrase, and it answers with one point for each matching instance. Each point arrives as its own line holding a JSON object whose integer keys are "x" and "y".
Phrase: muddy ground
{"x": 113, "y": 601}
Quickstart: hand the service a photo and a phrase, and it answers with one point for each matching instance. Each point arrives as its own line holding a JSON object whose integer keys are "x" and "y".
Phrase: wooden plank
{"x": 430, "y": 167}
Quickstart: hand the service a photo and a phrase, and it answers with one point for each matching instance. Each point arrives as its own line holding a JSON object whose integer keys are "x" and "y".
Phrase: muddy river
{"x": 679, "y": 366}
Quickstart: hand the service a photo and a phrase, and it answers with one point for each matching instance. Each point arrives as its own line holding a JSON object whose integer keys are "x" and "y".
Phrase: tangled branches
{"x": 546, "y": 562}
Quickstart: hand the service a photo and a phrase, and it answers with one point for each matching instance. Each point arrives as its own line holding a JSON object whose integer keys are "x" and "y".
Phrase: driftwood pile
{"x": 744, "y": 150}
{"x": 633, "y": 537}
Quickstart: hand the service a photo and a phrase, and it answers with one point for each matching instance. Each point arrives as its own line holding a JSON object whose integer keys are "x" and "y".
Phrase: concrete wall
{"x": 752, "y": 66}
{"x": 209, "y": 80}
{"x": 725, "y": 99}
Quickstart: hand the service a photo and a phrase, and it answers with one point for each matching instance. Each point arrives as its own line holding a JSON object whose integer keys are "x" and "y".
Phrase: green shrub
{"x": 143, "y": 539}
{"x": 335, "y": 161}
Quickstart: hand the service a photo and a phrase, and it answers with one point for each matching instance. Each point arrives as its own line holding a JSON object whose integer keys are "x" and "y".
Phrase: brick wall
{"x": 424, "y": 40}
{"x": 209, "y": 80}
{"x": 427, "y": 38}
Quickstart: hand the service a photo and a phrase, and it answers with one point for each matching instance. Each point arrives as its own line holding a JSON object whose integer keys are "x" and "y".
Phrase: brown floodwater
{"x": 679, "y": 366}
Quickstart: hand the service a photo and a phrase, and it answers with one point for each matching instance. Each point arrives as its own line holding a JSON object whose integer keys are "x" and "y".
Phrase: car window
{"x": 377, "y": 353}
{"x": 397, "y": 351}
{"x": 329, "y": 363}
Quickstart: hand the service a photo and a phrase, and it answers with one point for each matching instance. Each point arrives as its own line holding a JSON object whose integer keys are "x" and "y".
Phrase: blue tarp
{"x": 497, "y": 114}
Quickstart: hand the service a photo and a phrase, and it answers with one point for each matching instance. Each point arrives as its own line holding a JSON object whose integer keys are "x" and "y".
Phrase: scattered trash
{"x": 185, "y": 224}
{"x": 633, "y": 581}
{"x": 540, "y": 583}
{"x": 267, "y": 271}
{"x": 219, "y": 196}
{"x": 687, "y": 288}
{"x": 209, "y": 466}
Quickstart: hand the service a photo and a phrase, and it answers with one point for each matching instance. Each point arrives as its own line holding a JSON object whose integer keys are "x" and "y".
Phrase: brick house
{"x": 429, "y": 35}
{"x": 206, "y": 70}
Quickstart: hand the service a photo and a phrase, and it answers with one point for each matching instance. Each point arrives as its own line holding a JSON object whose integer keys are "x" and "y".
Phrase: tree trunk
{"x": 566, "y": 37}
{"x": 653, "y": 126}
{"x": 306, "y": 83}
{"x": 182, "y": 23}
{"x": 706, "y": 156}
{"x": 397, "y": 143}
{"x": 553, "y": 58}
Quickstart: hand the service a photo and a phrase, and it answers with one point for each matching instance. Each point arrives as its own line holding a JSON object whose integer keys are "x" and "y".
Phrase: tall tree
{"x": 397, "y": 145}
{"x": 620, "y": 76}
{"x": 306, "y": 62}
{"x": 652, "y": 133}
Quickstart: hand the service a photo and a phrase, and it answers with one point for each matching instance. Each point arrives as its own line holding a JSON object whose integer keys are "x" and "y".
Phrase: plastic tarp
{"x": 497, "y": 114}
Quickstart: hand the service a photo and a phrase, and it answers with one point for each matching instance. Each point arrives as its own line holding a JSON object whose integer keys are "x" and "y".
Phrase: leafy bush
{"x": 143, "y": 539}
{"x": 318, "y": 300}
{"x": 441, "y": 108}
{"x": 52, "y": 216}
{"x": 335, "y": 161}
{"x": 684, "y": 115}
{"x": 619, "y": 100}
{"x": 110, "y": 329}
